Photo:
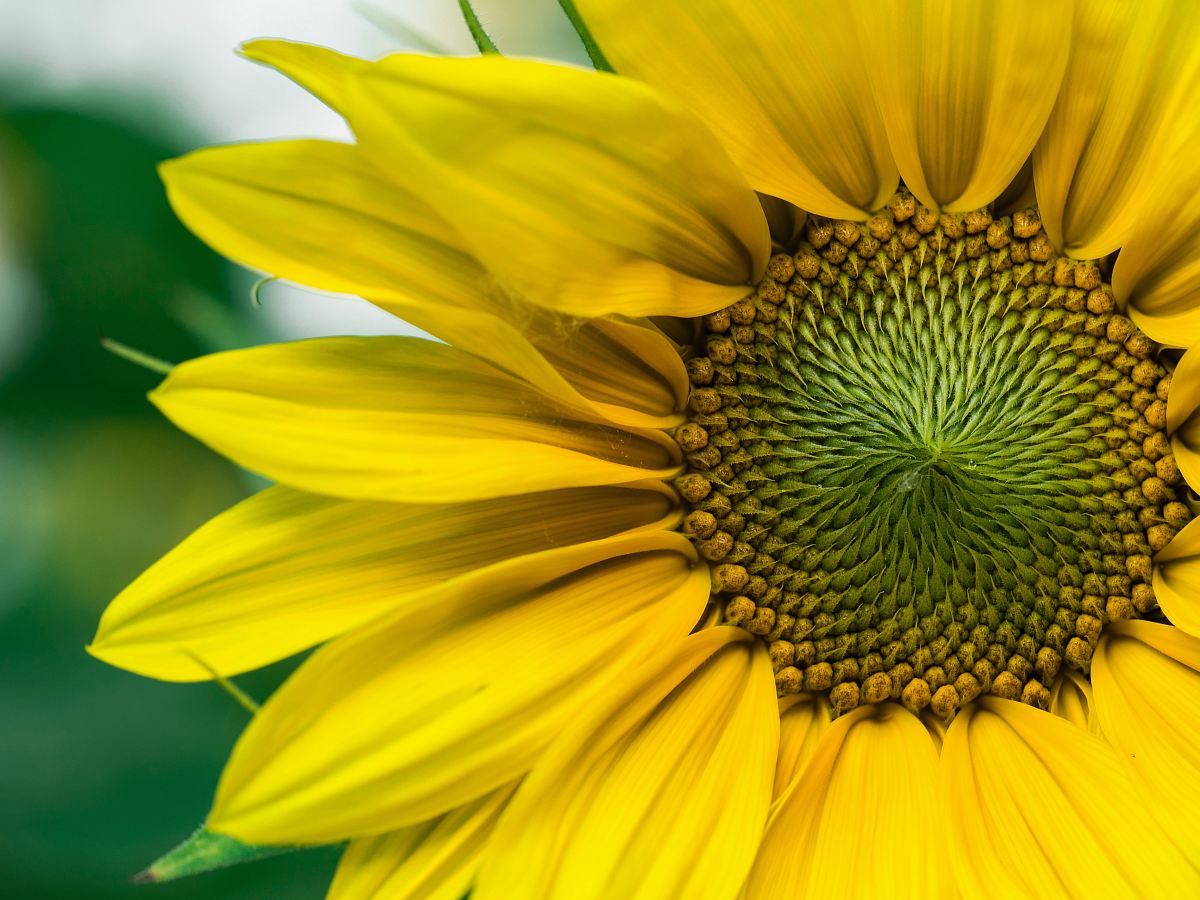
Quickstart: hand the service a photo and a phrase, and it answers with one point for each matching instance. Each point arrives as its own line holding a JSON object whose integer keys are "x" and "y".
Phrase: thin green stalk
{"x": 482, "y": 41}
{"x": 240, "y": 697}
{"x": 595, "y": 54}
{"x": 137, "y": 357}
{"x": 244, "y": 700}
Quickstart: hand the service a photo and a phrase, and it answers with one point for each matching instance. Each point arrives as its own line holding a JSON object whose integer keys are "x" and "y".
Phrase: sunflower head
{"x": 928, "y": 460}
{"x": 803, "y": 466}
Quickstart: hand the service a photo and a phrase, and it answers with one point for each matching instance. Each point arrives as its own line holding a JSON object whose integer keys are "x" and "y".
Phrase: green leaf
{"x": 202, "y": 852}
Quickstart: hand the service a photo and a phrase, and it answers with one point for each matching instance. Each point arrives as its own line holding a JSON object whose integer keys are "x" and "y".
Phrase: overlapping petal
{"x": 781, "y": 83}
{"x": 580, "y": 191}
{"x": 584, "y": 192}
{"x": 325, "y": 73}
{"x": 397, "y": 419}
{"x": 1126, "y": 105}
{"x": 1045, "y": 809}
{"x": 1177, "y": 579}
{"x": 1157, "y": 269}
{"x": 803, "y": 720}
{"x": 629, "y": 371}
{"x": 862, "y": 819}
{"x": 1071, "y": 698}
{"x": 1019, "y": 194}
{"x": 1146, "y": 679}
{"x": 321, "y": 214}
{"x": 416, "y": 714}
{"x": 285, "y": 570}
{"x": 1183, "y": 416}
{"x": 964, "y": 90}
{"x": 659, "y": 792}
{"x": 785, "y": 221}
{"x": 436, "y": 860}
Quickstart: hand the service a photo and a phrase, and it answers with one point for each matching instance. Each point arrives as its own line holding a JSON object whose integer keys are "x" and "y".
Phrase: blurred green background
{"x": 102, "y": 771}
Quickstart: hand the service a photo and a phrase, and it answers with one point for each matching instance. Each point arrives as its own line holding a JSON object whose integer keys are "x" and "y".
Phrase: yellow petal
{"x": 580, "y": 191}
{"x": 1177, "y": 579}
{"x": 660, "y": 791}
{"x": 323, "y": 72}
{"x": 396, "y": 419}
{"x": 1041, "y": 808}
{"x": 803, "y": 719}
{"x": 936, "y": 727}
{"x": 1179, "y": 329}
{"x": 627, "y": 373}
{"x": 1071, "y": 698}
{"x": 1185, "y": 447}
{"x": 435, "y": 860}
{"x": 863, "y": 819}
{"x": 418, "y": 713}
{"x": 628, "y": 377}
{"x": 1156, "y": 271}
{"x": 781, "y": 83}
{"x": 318, "y": 213}
{"x": 1183, "y": 416}
{"x": 285, "y": 570}
{"x": 1146, "y": 679}
{"x": 785, "y": 221}
{"x": 964, "y": 89}
{"x": 416, "y": 267}
{"x": 619, "y": 365}
{"x": 1126, "y": 102}
{"x": 1183, "y": 399}
{"x": 1019, "y": 194}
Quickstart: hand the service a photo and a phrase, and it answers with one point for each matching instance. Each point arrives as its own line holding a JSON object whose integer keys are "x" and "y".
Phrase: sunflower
{"x": 795, "y": 503}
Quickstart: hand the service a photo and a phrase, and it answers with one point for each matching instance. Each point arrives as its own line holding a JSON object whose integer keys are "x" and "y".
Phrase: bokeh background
{"x": 102, "y": 771}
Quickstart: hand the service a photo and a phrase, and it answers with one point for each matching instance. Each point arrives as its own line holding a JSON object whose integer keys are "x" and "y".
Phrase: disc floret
{"x": 927, "y": 460}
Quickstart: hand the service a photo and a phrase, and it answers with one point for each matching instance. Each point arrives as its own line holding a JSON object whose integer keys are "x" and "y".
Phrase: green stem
{"x": 595, "y": 54}
{"x": 244, "y": 700}
{"x": 482, "y": 41}
{"x": 240, "y": 697}
{"x": 145, "y": 360}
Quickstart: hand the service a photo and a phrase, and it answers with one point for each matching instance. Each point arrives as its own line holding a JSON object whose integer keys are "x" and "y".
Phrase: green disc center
{"x": 927, "y": 460}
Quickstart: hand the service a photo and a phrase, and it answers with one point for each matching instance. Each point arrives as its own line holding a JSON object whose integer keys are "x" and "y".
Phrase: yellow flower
{"x": 819, "y": 541}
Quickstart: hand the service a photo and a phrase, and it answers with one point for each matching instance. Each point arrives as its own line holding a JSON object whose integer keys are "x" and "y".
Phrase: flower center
{"x": 927, "y": 460}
